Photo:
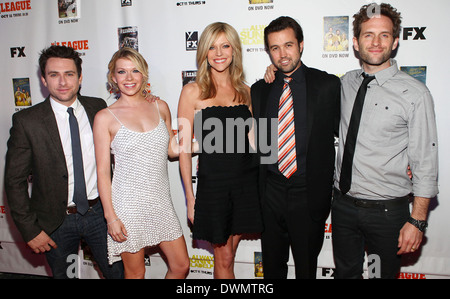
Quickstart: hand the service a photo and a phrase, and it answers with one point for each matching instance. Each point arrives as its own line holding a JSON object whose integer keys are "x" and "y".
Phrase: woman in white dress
{"x": 137, "y": 202}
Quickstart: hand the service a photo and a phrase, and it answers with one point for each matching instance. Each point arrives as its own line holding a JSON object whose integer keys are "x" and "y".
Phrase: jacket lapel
{"x": 90, "y": 111}
{"x": 52, "y": 128}
{"x": 311, "y": 101}
{"x": 264, "y": 99}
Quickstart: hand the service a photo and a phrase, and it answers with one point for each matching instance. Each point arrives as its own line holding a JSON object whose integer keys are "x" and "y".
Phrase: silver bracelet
{"x": 113, "y": 221}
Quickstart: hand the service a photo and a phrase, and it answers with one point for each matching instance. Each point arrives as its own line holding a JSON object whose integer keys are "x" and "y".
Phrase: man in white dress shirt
{"x": 40, "y": 145}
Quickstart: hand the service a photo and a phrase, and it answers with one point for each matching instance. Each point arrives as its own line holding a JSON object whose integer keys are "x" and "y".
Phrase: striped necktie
{"x": 287, "y": 162}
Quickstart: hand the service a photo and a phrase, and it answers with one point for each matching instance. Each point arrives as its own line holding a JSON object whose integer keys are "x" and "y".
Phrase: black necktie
{"x": 79, "y": 194}
{"x": 349, "y": 148}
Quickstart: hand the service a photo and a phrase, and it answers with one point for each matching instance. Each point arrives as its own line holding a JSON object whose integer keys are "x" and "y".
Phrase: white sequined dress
{"x": 140, "y": 190}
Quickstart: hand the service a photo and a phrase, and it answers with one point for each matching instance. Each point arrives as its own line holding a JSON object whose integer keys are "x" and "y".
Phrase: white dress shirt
{"x": 87, "y": 146}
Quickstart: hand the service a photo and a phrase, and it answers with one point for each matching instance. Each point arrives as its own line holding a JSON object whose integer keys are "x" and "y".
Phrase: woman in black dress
{"x": 226, "y": 204}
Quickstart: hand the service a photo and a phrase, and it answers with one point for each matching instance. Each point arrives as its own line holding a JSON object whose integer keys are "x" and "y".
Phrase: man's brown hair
{"x": 375, "y": 10}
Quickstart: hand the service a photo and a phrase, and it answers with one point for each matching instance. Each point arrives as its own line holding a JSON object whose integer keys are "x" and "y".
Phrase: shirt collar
{"x": 60, "y": 108}
{"x": 384, "y": 75}
{"x": 297, "y": 76}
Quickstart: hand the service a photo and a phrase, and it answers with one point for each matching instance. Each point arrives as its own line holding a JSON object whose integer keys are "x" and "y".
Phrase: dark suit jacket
{"x": 323, "y": 113}
{"x": 34, "y": 147}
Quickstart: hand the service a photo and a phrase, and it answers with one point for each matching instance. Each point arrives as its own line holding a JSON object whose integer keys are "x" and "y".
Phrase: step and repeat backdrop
{"x": 166, "y": 32}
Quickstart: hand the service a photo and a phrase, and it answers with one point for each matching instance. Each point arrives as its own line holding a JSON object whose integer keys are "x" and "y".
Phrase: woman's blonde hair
{"x": 138, "y": 60}
{"x": 236, "y": 69}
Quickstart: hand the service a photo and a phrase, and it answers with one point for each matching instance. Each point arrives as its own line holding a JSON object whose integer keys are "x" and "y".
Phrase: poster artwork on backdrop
{"x": 128, "y": 37}
{"x": 335, "y": 34}
{"x": 125, "y": 3}
{"x": 22, "y": 93}
{"x": 68, "y": 11}
{"x": 418, "y": 72}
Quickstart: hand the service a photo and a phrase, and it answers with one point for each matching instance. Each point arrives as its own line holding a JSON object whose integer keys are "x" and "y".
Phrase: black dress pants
{"x": 288, "y": 224}
{"x": 361, "y": 225}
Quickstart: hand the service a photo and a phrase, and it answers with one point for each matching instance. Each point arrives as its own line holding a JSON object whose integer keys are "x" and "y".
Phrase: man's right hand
{"x": 42, "y": 243}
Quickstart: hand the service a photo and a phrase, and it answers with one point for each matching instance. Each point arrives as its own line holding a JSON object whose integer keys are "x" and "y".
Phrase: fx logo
{"x": 191, "y": 40}
{"x": 20, "y": 51}
{"x": 408, "y": 31}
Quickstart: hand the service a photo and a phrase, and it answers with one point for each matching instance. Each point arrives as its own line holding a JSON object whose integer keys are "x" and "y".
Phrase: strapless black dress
{"x": 227, "y": 200}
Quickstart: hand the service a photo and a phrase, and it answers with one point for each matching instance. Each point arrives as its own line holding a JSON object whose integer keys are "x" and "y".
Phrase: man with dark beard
{"x": 396, "y": 128}
{"x": 296, "y": 188}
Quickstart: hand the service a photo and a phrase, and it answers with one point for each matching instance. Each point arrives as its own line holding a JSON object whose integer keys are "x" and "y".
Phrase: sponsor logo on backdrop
{"x": 416, "y": 33}
{"x": 191, "y": 40}
{"x": 2, "y": 214}
{"x": 18, "y": 52}
{"x": 189, "y": 3}
{"x": 328, "y": 231}
{"x": 258, "y": 5}
{"x": 325, "y": 272}
{"x": 76, "y": 45}
{"x": 202, "y": 264}
{"x": 14, "y": 9}
{"x": 329, "y": 272}
{"x": 79, "y": 45}
{"x": 402, "y": 275}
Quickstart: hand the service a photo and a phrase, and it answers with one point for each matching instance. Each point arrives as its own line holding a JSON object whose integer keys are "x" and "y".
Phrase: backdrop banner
{"x": 166, "y": 32}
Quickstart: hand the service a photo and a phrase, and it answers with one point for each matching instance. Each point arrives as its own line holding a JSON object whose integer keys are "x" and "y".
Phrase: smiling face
{"x": 128, "y": 78}
{"x": 376, "y": 43}
{"x": 62, "y": 80}
{"x": 285, "y": 50}
{"x": 220, "y": 54}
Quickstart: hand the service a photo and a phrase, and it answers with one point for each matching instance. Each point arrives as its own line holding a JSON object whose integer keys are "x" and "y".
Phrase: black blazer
{"x": 323, "y": 114}
{"x": 34, "y": 147}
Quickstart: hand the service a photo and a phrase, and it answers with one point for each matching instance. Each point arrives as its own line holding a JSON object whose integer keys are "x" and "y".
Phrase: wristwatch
{"x": 420, "y": 224}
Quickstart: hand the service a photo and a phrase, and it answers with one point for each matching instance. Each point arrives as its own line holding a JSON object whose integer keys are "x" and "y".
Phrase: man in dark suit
{"x": 52, "y": 220}
{"x": 296, "y": 187}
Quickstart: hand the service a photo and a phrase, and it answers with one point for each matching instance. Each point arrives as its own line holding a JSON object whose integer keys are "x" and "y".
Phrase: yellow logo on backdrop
{"x": 253, "y": 35}
{"x": 202, "y": 261}
{"x": 259, "y": 1}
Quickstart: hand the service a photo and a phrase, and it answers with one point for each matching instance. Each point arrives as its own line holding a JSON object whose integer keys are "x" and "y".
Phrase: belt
{"x": 369, "y": 203}
{"x": 73, "y": 209}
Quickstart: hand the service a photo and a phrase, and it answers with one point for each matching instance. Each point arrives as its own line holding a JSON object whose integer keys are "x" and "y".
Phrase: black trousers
{"x": 288, "y": 225}
{"x": 371, "y": 225}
